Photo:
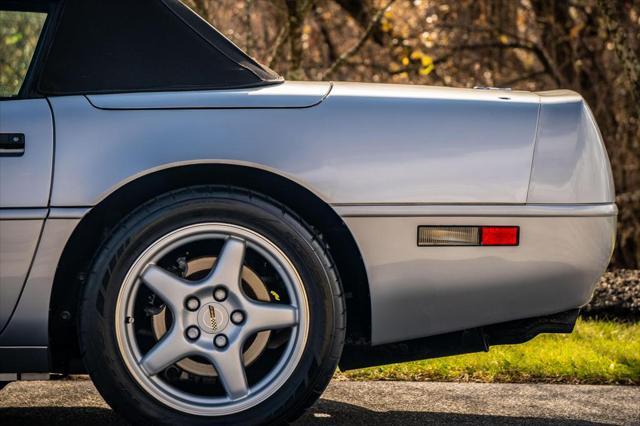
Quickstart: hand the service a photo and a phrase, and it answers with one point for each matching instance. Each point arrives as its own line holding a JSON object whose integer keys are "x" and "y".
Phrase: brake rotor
{"x": 252, "y": 285}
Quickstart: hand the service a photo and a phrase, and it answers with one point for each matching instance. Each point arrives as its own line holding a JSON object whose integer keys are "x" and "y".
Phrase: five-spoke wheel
{"x": 211, "y": 305}
{"x": 212, "y": 318}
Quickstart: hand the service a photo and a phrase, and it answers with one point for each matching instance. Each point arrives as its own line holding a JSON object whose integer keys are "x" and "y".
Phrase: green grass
{"x": 596, "y": 352}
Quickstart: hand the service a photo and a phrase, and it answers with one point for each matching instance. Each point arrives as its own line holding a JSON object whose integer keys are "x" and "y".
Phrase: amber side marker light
{"x": 456, "y": 235}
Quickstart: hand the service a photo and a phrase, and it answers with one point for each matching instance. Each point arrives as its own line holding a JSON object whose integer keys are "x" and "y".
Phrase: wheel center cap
{"x": 213, "y": 318}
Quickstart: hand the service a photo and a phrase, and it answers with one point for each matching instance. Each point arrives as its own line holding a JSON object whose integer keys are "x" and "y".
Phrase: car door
{"x": 26, "y": 152}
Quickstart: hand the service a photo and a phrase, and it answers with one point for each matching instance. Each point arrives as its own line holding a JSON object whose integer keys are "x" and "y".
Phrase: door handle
{"x": 11, "y": 144}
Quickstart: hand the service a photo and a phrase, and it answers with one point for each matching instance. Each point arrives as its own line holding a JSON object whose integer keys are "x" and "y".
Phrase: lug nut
{"x": 193, "y": 304}
{"x": 220, "y": 341}
{"x": 220, "y": 294}
{"x": 237, "y": 317}
{"x": 193, "y": 332}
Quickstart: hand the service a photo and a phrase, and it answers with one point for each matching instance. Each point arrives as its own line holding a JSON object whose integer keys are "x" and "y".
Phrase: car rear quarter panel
{"x": 398, "y": 144}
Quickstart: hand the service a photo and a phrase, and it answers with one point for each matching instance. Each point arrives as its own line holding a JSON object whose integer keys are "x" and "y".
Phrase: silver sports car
{"x": 209, "y": 241}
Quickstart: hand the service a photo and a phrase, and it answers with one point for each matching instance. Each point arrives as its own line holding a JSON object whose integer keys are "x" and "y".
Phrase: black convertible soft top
{"x": 107, "y": 46}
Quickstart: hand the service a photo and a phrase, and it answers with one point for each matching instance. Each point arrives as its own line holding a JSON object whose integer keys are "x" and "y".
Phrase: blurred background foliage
{"x": 19, "y": 33}
{"x": 590, "y": 46}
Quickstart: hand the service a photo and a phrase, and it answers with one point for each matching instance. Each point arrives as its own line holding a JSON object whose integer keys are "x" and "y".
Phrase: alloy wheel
{"x": 212, "y": 318}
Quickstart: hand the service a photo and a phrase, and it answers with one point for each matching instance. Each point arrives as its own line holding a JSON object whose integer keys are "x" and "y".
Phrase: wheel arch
{"x": 97, "y": 224}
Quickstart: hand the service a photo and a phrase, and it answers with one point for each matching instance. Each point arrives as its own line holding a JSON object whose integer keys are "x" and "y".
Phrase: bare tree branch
{"x": 362, "y": 12}
{"x": 349, "y": 53}
{"x": 279, "y": 42}
{"x": 534, "y": 48}
{"x": 331, "y": 47}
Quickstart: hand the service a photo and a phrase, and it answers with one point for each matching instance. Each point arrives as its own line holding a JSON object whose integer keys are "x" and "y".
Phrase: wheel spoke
{"x": 228, "y": 267}
{"x": 269, "y": 316}
{"x": 171, "y": 289}
{"x": 230, "y": 368}
{"x": 170, "y": 349}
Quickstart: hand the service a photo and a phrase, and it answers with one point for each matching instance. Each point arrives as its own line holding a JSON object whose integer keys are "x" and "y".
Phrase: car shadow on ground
{"x": 325, "y": 412}
{"x": 328, "y": 412}
{"x": 37, "y": 416}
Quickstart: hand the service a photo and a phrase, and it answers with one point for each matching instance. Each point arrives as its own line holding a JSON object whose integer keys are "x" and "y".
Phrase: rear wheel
{"x": 212, "y": 305}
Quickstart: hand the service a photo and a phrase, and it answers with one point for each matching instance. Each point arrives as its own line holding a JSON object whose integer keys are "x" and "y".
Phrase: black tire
{"x": 327, "y": 309}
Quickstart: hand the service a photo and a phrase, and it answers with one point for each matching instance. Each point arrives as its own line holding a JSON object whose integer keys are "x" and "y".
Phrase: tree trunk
{"x": 612, "y": 12}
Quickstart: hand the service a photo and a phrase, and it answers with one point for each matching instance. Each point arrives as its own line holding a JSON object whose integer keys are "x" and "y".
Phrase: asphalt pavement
{"x": 76, "y": 402}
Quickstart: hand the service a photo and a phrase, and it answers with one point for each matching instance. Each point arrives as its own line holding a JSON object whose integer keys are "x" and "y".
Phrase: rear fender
{"x": 570, "y": 163}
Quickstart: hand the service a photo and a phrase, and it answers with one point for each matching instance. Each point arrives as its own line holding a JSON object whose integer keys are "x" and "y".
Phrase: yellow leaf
{"x": 405, "y": 61}
{"x": 426, "y": 60}
{"x": 503, "y": 39}
{"x": 416, "y": 54}
{"x": 426, "y": 70}
{"x": 386, "y": 27}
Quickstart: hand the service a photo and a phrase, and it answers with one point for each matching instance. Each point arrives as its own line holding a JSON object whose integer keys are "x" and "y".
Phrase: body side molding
{"x": 476, "y": 210}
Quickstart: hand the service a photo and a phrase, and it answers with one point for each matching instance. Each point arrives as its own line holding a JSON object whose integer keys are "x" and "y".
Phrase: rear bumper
{"x": 424, "y": 291}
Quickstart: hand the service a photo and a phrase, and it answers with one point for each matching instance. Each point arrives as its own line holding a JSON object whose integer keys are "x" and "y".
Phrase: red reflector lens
{"x": 499, "y": 235}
